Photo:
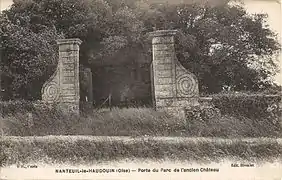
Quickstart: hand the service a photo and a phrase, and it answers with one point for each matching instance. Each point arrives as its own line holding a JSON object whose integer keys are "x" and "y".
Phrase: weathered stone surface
{"x": 163, "y": 81}
{"x": 186, "y": 82}
{"x": 174, "y": 88}
{"x": 86, "y": 89}
{"x": 164, "y": 73}
{"x": 157, "y": 48}
{"x": 174, "y": 102}
{"x": 165, "y": 60}
{"x": 163, "y": 91}
{"x": 88, "y": 75}
{"x": 162, "y": 66}
{"x": 63, "y": 86}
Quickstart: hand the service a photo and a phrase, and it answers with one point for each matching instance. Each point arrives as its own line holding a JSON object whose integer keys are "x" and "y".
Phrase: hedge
{"x": 254, "y": 106}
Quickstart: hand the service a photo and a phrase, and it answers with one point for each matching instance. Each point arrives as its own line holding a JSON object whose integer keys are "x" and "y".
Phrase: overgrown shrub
{"x": 40, "y": 119}
{"x": 254, "y": 106}
{"x": 209, "y": 122}
{"x": 25, "y": 118}
{"x": 13, "y": 107}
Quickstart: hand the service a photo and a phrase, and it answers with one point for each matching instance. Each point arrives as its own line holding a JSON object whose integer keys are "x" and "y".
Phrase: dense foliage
{"x": 28, "y": 57}
{"x": 22, "y": 118}
{"x": 223, "y": 45}
{"x": 254, "y": 106}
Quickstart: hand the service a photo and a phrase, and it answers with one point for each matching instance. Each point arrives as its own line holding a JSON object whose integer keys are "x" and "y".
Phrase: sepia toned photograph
{"x": 140, "y": 89}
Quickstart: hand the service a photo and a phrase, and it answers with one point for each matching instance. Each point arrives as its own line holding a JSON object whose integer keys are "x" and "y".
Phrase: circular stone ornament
{"x": 186, "y": 85}
{"x": 51, "y": 92}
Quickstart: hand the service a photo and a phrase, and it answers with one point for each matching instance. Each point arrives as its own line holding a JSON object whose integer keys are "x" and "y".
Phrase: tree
{"x": 28, "y": 58}
{"x": 222, "y": 44}
{"x": 103, "y": 29}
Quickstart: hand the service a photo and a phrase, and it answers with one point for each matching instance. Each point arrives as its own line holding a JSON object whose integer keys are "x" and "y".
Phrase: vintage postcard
{"x": 140, "y": 89}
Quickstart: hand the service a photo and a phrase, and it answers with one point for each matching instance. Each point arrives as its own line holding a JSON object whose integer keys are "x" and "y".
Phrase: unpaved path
{"x": 147, "y": 138}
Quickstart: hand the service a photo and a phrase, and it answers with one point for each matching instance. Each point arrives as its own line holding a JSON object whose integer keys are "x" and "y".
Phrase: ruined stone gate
{"x": 173, "y": 87}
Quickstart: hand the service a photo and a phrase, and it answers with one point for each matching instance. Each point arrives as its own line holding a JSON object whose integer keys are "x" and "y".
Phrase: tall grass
{"x": 132, "y": 122}
{"x": 86, "y": 150}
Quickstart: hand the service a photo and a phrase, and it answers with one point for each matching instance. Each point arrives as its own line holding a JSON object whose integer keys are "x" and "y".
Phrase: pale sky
{"x": 271, "y": 7}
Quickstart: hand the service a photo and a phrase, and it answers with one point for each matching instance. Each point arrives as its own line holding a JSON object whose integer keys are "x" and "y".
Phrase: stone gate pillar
{"x": 174, "y": 88}
{"x": 88, "y": 73}
{"x": 86, "y": 84}
{"x": 63, "y": 86}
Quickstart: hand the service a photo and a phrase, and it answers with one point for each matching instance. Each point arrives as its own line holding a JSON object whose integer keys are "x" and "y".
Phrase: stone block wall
{"x": 174, "y": 88}
{"x": 63, "y": 87}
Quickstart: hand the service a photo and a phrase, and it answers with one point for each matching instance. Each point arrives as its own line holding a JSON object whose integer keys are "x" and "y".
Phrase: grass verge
{"x": 134, "y": 122}
{"x": 89, "y": 149}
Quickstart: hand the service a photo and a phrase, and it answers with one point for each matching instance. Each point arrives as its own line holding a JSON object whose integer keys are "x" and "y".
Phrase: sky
{"x": 271, "y": 7}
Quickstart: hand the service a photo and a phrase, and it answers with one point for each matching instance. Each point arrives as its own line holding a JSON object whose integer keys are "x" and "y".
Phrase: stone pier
{"x": 174, "y": 88}
{"x": 63, "y": 86}
{"x": 86, "y": 85}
